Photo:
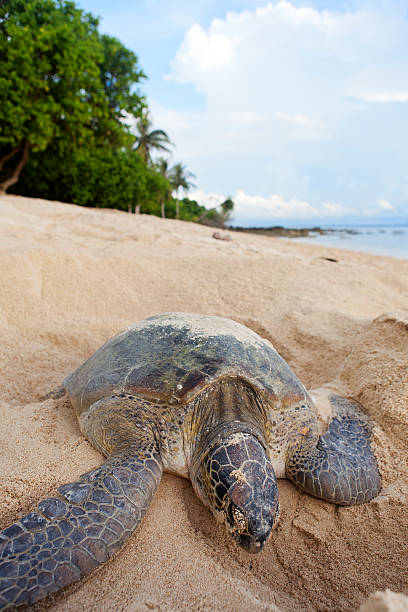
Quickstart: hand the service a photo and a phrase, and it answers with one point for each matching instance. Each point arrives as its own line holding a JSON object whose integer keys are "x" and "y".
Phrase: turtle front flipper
{"x": 340, "y": 466}
{"x": 70, "y": 535}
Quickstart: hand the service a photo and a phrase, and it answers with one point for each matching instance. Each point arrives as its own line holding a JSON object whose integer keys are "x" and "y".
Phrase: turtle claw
{"x": 53, "y": 394}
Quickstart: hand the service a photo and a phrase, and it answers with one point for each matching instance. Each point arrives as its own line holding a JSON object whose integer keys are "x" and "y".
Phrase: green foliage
{"x": 68, "y": 100}
{"x": 180, "y": 178}
{"x": 149, "y": 139}
{"x": 177, "y": 177}
{"x": 213, "y": 218}
{"x": 60, "y": 81}
{"x": 49, "y": 73}
{"x": 218, "y": 218}
{"x": 106, "y": 178}
{"x": 190, "y": 210}
{"x": 119, "y": 74}
{"x": 227, "y": 207}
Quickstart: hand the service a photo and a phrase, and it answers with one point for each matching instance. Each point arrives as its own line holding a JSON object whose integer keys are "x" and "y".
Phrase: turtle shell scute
{"x": 168, "y": 359}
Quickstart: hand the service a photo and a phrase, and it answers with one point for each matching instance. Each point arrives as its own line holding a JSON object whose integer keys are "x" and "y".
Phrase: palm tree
{"x": 227, "y": 207}
{"x": 163, "y": 167}
{"x": 215, "y": 217}
{"x": 179, "y": 179}
{"x": 149, "y": 139}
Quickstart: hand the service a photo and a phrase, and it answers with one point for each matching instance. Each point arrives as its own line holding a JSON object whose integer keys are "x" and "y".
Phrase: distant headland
{"x": 286, "y": 232}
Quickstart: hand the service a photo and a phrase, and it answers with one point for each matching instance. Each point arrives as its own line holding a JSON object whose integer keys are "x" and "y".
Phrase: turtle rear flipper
{"x": 340, "y": 467}
{"x": 72, "y": 534}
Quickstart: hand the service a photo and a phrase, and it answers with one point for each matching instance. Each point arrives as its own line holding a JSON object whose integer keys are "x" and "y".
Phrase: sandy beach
{"x": 72, "y": 277}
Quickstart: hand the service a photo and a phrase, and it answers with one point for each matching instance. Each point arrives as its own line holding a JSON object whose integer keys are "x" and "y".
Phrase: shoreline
{"x": 388, "y": 241}
{"x": 280, "y": 231}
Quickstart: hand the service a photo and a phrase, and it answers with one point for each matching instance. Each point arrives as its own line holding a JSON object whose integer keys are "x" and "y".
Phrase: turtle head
{"x": 236, "y": 480}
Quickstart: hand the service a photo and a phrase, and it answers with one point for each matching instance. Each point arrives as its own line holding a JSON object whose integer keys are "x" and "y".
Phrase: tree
{"x": 120, "y": 73}
{"x": 68, "y": 99}
{"x": 59, "y": 81}
{"x": 45, "y": 48}
{"x": 98, "y": 177}
{"x": 215, "y": 217}
{"x": 190, "y": 210}
{"x": 162, "y": 166}
{"x": 227, "y": 207}
{"x": 179, "y": 179}
{"x": 149, "y": 139}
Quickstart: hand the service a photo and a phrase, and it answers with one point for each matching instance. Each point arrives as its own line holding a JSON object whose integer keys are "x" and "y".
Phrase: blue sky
{"x": 298, "y": 110}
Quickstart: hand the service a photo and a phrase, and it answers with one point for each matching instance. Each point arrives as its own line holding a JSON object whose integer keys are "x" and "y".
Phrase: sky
{"x": 298, "y": 110}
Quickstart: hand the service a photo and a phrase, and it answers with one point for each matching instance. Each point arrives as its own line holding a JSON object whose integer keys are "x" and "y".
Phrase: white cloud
{"x": 303, "y": 127}
{"x": 272, "y": 208}
{"x": 335, "y": 209}
{"x": 204, "y": 52}
{"x": 298, "y": 119}
{"x": 209, "y": 200}
{"x": 385, "y": 97}
{"x": 275, "y": 208}
{"x": 289, "y": 107}
{"x": 246, "y": 117}
{"x": 173, "y": 121}
{"x": 385, "y": 205}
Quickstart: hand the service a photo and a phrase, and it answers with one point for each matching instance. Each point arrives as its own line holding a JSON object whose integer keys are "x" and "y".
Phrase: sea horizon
{"x": 389, "y": 239}
{"x": 376, "y": 239}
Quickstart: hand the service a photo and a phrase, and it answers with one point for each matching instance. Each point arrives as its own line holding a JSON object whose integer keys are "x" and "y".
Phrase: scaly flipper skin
{"x": 69, "y": 536}
{"x": 340, "y": 467}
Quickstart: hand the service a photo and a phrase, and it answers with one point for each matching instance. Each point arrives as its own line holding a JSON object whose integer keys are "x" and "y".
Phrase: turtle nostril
{"x": 261, "y": 538}
{"x": 251, "y": 544}
{"x": 259, "y": 544}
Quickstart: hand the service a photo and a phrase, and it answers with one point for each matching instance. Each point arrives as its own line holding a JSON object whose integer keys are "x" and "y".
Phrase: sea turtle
{"x": 200, "y": 396}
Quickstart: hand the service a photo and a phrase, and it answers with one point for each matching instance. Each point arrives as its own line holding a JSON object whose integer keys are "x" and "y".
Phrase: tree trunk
{"x": 17, "y": 170}
{"x": 163, "y": 210}
{"x": 137, "y": 209}
{"x": 9, "y": 155}
{"x": 177, "y": 209}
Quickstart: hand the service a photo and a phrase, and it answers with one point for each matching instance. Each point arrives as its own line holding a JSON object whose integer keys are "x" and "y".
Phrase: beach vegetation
{"x": 55, "y": 83}
{"x": 180, "y": 180}
{"x": 74, "y": 124}
{"x": 218, "y": 216}
{"x": 149, "y": 140}
{"x": 98, "y": 177}
{"x": 162, "y": 166}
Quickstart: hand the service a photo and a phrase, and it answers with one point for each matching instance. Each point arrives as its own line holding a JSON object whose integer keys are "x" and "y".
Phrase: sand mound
{"x": 385, "y": 602}
{"x": 73, "y": 277}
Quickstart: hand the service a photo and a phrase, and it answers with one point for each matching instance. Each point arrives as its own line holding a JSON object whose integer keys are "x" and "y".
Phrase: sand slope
{"x": 72, "y": 277}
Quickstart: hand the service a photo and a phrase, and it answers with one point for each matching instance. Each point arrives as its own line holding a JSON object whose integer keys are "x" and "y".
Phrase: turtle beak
{"x": 252, "y": 544}
{"x": 258, "y": 531}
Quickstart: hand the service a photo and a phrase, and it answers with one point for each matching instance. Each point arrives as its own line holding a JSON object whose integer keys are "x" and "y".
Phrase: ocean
{"x": 389, "y": 240}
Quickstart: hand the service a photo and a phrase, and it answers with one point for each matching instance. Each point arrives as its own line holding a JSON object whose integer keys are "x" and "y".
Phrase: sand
{"x": 72, "y": 277}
